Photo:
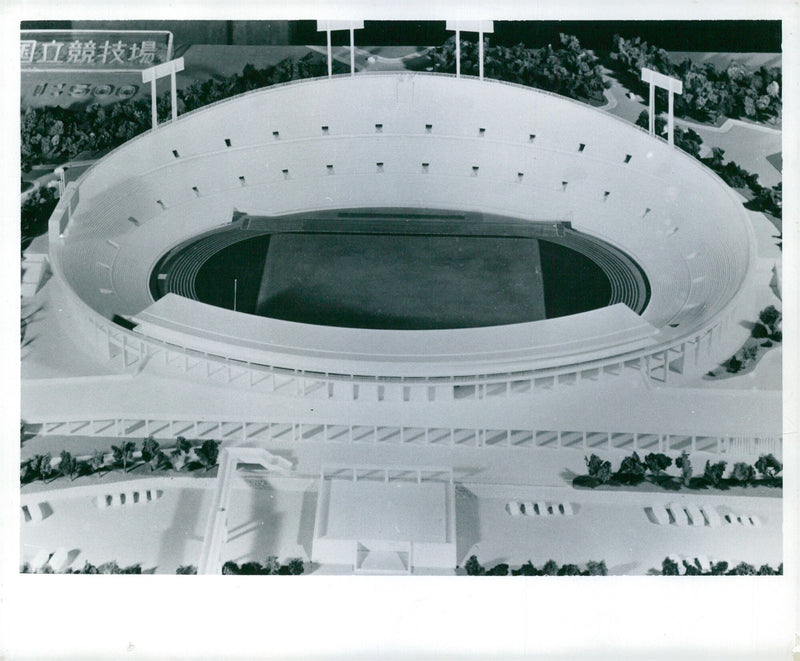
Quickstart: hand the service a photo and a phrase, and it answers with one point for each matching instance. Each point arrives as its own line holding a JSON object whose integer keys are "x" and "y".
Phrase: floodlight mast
{"x": 673, "y": 86}
{"x": 330, "y": 26}
{"x": 481, "y": 27}
{"x": 152, "y": 74}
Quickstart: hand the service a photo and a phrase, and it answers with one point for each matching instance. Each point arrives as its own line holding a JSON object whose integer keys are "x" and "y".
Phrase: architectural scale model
{"x": 347, "y": 283}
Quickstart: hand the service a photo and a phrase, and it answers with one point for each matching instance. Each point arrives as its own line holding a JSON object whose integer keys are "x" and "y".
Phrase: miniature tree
{"x": 691, "y": 568}
{"x": 734, "y": 365}
{"x": 598, "y": 469}
{"x": 769, "y": 467}
{"x": 743, "y": 473}
{"x": 272, "y": 565}
{"x": 569, "y": 570}
{"x": 713, "y": 473}
{"x": 669, "y": 567}
{"x": 230, "y": 568}
{"x": 25, "y": 471}
{"x": 68, "y": 465}
{"x": 657, "y": 462}
{"x": 685, "y": 464}
{"x": 770, "y": 316}
{"x": 295, "y": 566}
{"x": 525, "y": 570}
{"x": 596, "y": 568}
{"x": 208, "y": 453}
{"x": 42, "y": 466}
{"x": 550, "y": 568}
{"x": 632, "y": 469}
{"x": 177, "y": 459}
{"x": 123, "y": 454}
{"x": 151, "y": 452}
{"x": 742, "y": 569}
{"x": 180, "y": 454}
{"x": 97, "y": 461}
{"x": 719, "y": 568}
{"x": 473, "y": 567}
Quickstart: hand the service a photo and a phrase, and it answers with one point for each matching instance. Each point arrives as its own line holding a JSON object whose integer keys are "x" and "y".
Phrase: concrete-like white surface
{"x": 277, "y": 518}
{"x": 399, "y": 511}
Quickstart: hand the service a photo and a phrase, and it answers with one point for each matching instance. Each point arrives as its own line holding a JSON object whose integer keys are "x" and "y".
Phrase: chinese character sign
{"x": 68, "y": 49}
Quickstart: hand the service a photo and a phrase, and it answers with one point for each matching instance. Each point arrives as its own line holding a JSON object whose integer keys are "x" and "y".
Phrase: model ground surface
{"x": 412, "y": 275}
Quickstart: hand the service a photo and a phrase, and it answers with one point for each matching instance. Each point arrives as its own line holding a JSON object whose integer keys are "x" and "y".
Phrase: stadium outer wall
{"x": 416, "y": 140}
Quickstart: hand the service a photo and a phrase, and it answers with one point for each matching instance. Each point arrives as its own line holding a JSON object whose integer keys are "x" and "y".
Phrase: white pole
{"x": 458, "y": 53}
{"x": 480, "y": 55}
{"x": 352, "y": 52}
{"x": 330, "y": 56}
{"x": 174, "y": 89}
{"x": 59, "y": 172}
{"x": 153, "y": 102}
{"x": 670, "y": 118}
{"x": 235, "y": 286}
{"x": 652, "y": 108}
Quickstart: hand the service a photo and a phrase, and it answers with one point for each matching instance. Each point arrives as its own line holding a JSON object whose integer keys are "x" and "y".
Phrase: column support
{"x": 173, "y": 94}
{"x": 670, "y": 117}
{"x": 153, "y": 109}
{"x": 330, "y": 54}
{"x": 352, "y": 53}
{"x": 480, "y": 54}
{"x": 458, "y": 53}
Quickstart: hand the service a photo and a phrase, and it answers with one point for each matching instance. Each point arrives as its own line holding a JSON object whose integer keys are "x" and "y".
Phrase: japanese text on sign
{"x": 92, "y": 50}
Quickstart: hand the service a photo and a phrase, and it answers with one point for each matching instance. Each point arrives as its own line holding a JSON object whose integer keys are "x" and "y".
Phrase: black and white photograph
{"x": 390, "y": 305}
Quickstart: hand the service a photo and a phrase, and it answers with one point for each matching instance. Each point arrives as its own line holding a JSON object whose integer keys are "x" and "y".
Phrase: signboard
{"x": 93, "y": 50}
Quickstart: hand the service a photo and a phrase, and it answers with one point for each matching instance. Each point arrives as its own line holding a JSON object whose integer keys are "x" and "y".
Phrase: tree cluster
{"x": 185, "y": 456}
{"x": 56, "y": 135}
{"x": 550, "y": 568}
{"x": 633, "y": 470}
{"x": 272, "y": 567}
{"x": 53, "y": 135}
{"x": 568, "y": 69}
{"x": 670, "y": 567}
{"x": 767, "y": 328}
{"x": 764, "y": 199}
{"x": 769, "y": 324}
{"x": 35, "y": 212}
{"x": 708, "y": 92}
{"x": 88, "y": 568}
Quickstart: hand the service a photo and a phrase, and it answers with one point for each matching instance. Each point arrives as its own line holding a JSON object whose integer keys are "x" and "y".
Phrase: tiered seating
{"x": 660, "y": 204}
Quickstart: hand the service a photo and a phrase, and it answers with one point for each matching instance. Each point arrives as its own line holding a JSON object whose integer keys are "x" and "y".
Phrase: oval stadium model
{"x": 421, "y": 238}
